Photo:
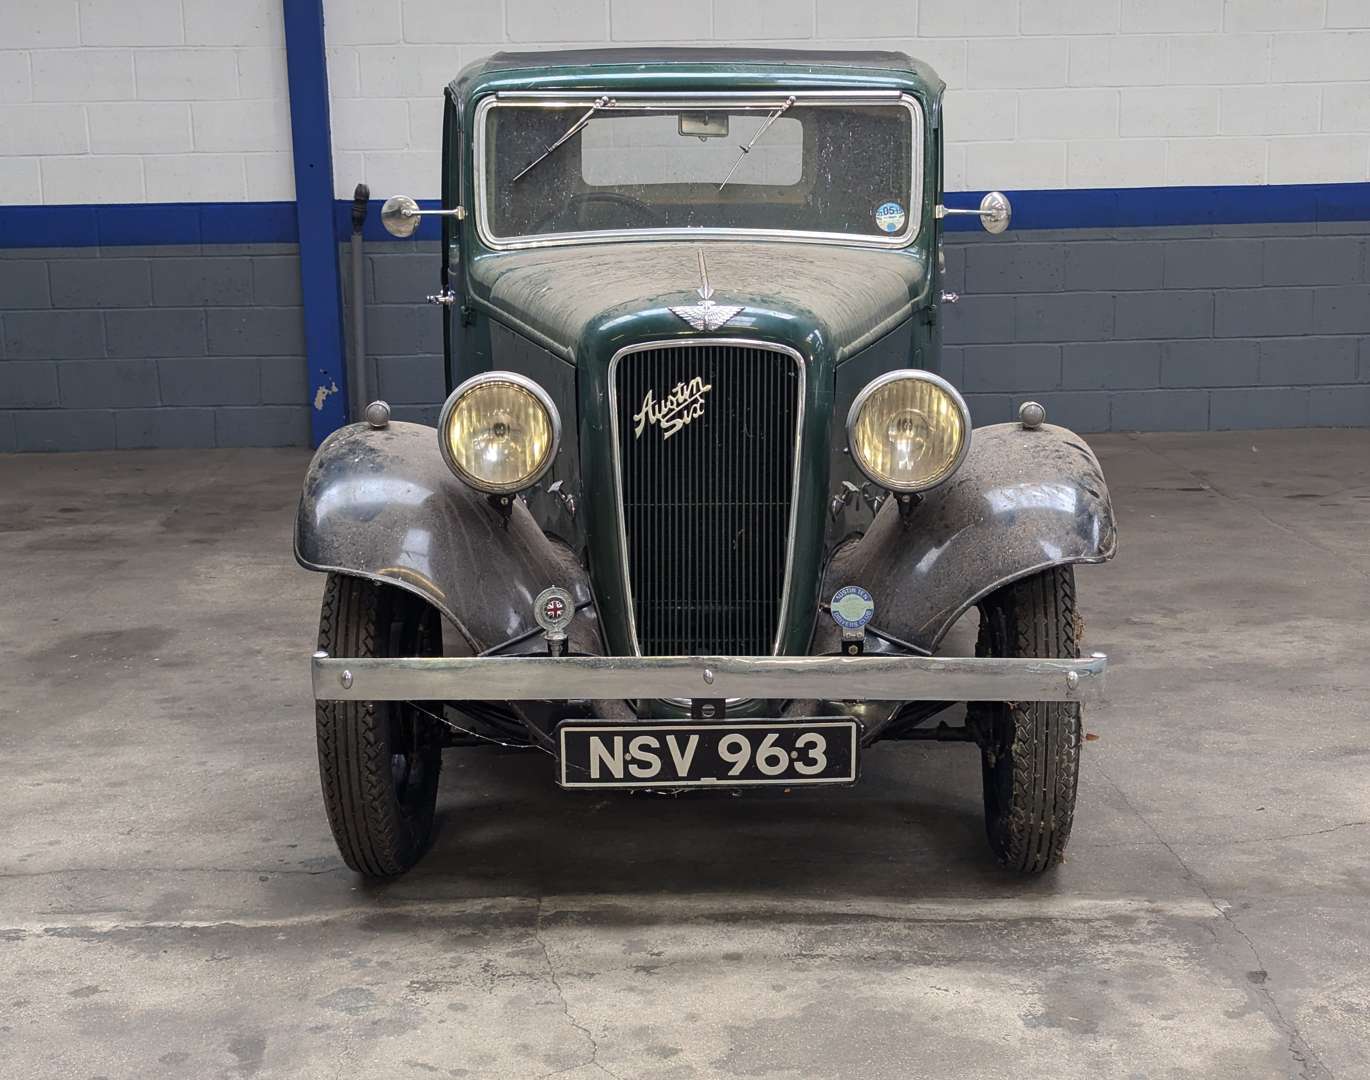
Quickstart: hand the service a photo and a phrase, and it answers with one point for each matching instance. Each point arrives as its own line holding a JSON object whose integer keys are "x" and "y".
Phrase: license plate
{"x": 723, "y": 754}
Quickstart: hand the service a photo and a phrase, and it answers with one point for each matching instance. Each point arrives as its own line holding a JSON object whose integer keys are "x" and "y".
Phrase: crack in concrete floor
{"x": 565, "y": 1006}
{"x": 1310, "y": 1065}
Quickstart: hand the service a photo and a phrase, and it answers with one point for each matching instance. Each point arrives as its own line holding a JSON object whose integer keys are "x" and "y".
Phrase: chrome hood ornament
{"x": 706, "y": 315}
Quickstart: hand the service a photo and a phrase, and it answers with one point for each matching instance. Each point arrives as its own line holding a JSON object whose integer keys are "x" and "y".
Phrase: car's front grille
{"x": 706, "y": 453}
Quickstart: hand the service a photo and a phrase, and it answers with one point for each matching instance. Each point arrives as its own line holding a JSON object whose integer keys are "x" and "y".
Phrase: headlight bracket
{"x": 907, "y": 502}
{"x": 503, "y": 504}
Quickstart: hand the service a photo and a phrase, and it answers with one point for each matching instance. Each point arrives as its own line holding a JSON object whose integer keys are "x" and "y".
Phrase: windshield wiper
{"x": 600, "y": 103}
{"x": 748, "y": 148}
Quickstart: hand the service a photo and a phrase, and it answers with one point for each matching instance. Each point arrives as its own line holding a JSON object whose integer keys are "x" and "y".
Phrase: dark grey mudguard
{"x": 1022, "y": 501}
{"x": 382, "y": 504}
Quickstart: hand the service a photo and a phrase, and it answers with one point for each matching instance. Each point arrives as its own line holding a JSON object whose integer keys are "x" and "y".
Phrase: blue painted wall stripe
{"x": 1117, "y": 208}
{"x": 276, "y": 222}
{"x": 320, "y": 278}
{"x": 116, "y": 224}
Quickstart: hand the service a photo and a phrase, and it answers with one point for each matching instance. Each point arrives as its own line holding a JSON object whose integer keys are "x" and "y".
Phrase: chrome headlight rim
{"x": 858, "y": 403}
{"x": 522, "y": 382}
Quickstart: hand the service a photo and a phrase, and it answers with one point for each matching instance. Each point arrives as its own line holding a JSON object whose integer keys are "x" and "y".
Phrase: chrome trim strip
{"x": 672, "y": 343}
{"x": 746, "y": 97}
{"x": 640, "y": 101}
{"x": 783, "y": 678}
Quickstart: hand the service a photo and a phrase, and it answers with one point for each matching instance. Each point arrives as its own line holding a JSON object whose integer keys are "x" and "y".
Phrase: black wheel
{"x": 378, "y": 760}
{"x": 1030, "y": 751}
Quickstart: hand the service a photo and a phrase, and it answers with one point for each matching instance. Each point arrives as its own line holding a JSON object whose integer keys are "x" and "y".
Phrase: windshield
{"x": 574, "y": 169}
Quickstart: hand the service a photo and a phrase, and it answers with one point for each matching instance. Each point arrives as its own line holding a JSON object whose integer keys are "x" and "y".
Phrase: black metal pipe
{"x": 358, "y": 392}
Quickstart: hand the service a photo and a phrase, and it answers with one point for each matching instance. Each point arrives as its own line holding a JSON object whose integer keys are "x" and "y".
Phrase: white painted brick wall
{"x": 1043, "y": 93}
{"x": 21, "y": 180}
{"x": 1171, "y": 16}
{"x": 185, "y": 100}
{"x": 143, "y": 101}
{"x": 213, "y": 177}
{"x": 32, "y": 24}
{"x": 36, "y": 130}
{"x": 139, "y": 127}
{"x": 1096, "y": 163}
{"x": 1345, "y": 107}
{"x": 141, "y": 23}
{"x": 242, "y": 22}
{"x": 82, "y": 74}
{"x": 186, "y": 74}
{"x": 70, "y": 179}
{"x": 1276, "y": 14}
{"x": 1169, "y": 110}
{"x": 1062, "y": 18}
{"x": 1119, "y": 61}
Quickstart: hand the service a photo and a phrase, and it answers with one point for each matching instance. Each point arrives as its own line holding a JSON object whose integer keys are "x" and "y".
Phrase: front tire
{"x": 378, "y": 760}
{"x": 1030, "y": 750}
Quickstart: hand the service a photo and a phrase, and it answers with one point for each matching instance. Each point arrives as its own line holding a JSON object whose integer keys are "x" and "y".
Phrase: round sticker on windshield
{"x": 890, "y": 217}
{"x": 852, "y": 607}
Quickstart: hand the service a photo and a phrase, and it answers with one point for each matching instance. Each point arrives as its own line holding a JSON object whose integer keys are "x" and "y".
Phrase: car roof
{"x": 677, "y": 68}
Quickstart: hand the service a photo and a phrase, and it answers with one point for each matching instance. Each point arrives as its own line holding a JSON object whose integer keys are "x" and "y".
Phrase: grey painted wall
{"x": 403, "y": 331}
{"x": 151, "y": 347}
{"x": 1177, "y": 329}
{"x": 1149, "y": 329}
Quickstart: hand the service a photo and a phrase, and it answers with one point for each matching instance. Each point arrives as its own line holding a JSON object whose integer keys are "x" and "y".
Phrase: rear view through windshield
{"x": 774, "y": 164}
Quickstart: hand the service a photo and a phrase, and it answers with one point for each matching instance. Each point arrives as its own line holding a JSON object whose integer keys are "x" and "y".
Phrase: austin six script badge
{"x": 706, "y": 315}
{"x": 675, "y": 410}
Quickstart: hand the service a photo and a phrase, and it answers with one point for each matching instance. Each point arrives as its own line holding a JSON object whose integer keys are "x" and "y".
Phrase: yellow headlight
{"x": 499, "y": 432}
{"x": 908, "y": 430}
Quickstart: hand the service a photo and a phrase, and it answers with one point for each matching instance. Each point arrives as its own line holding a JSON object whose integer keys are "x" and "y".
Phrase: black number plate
{"x": 725, "y": 754}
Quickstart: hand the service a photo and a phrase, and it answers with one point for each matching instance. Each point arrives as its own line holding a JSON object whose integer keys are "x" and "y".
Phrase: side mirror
{"x": 994, "y": 213}
{"x": 400, "y": 215}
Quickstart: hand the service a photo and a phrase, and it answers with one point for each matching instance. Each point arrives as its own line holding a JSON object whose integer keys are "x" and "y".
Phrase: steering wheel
{"x": 646, "y": 214}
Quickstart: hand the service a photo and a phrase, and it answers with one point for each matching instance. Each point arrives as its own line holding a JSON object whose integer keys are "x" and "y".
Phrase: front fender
{"x": 1022, "y": 501}
{"x": 382, "y": 504}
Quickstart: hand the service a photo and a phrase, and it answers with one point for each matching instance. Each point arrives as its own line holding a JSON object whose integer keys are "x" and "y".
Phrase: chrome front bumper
{"x": 831, "y": 678}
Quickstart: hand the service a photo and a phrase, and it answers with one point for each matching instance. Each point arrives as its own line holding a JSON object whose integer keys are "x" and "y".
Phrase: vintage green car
{"x": 699, "y": 508}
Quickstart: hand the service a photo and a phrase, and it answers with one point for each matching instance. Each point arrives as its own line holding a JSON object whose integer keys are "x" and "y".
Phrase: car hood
{"x": 589, "y": 300}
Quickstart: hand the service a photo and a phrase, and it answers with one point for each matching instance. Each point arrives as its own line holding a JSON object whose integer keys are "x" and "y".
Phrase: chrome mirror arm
{"x": 400, "y": 215}
{"x": 458, "y": 212}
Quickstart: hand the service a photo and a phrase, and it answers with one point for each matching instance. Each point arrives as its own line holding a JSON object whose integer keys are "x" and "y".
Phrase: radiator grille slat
{"x": 706, "y": 502}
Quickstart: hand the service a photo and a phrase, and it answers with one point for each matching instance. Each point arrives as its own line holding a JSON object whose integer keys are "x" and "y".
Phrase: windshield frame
{"x": 666, "y": 101}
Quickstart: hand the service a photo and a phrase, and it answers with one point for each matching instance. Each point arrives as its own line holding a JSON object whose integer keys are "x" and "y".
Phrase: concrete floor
{"x": 171, "y": 903}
